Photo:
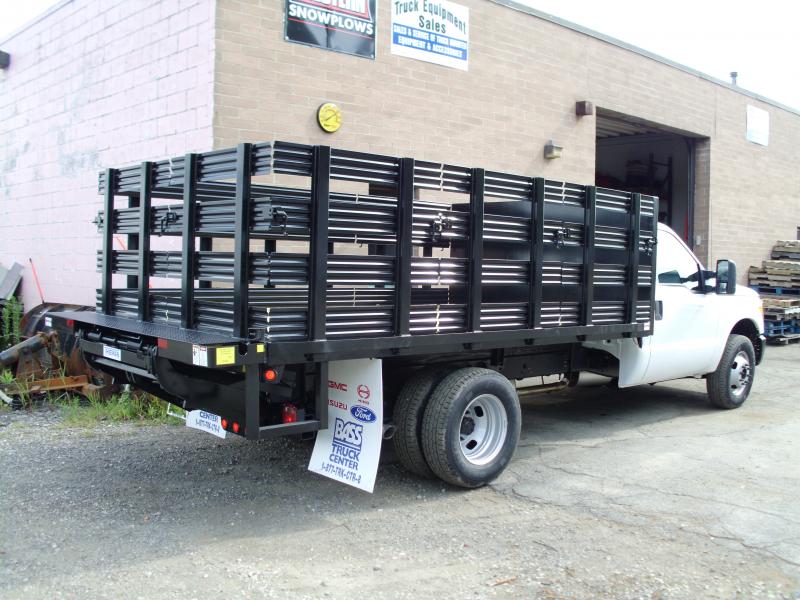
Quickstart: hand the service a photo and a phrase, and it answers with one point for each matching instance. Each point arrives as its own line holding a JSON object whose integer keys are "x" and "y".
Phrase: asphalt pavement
{"x": 640, "y": 493}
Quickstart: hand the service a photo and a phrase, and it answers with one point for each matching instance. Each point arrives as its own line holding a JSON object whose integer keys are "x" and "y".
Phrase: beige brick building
{"x": 656, "y": 126}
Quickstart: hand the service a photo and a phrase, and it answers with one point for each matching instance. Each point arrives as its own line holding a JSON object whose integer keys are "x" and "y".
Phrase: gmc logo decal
{"x": 335, "y": 385}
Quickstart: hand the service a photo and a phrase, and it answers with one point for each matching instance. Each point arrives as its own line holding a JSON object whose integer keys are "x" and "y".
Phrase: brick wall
{"x": 93, "y": 84}
{"x": 525, "y": 75}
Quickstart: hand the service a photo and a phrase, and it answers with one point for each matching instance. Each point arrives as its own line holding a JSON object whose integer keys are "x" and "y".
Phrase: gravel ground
{"x": 644, "y": 493}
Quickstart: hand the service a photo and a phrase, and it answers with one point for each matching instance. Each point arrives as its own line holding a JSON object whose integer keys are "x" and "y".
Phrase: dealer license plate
{"x": 112, "y": 353}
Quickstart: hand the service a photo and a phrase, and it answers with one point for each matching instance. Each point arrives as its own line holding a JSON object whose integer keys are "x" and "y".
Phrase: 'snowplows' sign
{"x": 341, "y": 25}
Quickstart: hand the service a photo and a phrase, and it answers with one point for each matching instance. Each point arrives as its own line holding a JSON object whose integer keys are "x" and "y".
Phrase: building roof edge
{"x": 641, "y": 51}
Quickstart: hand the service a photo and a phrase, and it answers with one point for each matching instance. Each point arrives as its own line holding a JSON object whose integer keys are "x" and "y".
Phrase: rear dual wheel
{"x": 466, "y": 427}
{"x": 408, "y": 412}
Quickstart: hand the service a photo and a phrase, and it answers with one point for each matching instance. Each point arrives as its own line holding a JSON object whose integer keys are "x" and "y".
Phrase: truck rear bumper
{"x": 193, "y": 370}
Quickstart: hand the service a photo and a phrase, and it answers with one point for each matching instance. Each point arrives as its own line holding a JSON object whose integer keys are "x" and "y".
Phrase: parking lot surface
{"x": 640, "y": 493}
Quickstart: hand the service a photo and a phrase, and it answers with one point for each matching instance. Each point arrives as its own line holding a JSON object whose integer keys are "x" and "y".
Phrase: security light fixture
{"x": 551, "y": 150}
{"x": 584, "y": 108}
{"x": 5, "y": 59}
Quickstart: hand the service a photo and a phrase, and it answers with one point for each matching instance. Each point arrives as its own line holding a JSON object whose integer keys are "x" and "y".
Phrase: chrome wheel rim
{"x": 483, "y": 429}
{"x": 740, "y": 374}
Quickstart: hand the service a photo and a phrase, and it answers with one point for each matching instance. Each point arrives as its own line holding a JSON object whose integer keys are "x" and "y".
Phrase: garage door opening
{"x": 639, "y": 156}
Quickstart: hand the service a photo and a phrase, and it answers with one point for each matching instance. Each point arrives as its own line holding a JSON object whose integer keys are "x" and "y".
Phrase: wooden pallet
{"x": 784, "y": 340}
{"x": 782, "y": 267}
{"x": 781, "y": 328}
{"x": 779, "y": 302}
{"x": 785, "y": 255}
{"x": 776, "y": 290}
{"x": 793, "y": 245}
{"x": 773, "y": 281}
{"x": 780, "y": 273}
{"x": 780, "y": 314}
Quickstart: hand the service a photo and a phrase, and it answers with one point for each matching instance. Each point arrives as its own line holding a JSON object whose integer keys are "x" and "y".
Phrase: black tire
{"x": 408, "y": 411}
{"x": 445, "y": 419}
{"x": 729, "y": 386}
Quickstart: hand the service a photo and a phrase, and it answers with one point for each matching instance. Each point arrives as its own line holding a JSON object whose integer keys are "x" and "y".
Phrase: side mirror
{"x": 726, "y": 277}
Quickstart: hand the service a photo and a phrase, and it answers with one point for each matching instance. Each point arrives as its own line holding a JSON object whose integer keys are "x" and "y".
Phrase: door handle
{"x": 659, "y": 310}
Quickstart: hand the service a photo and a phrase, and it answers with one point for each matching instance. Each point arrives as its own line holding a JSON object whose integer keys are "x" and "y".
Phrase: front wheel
{"x": 729, "y": 386}
{"x": 471, "y": 427}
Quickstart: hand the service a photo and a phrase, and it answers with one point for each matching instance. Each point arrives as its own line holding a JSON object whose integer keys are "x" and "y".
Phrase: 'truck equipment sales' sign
{"x": 342, "y": 25}
{"x": 435, "y": 31}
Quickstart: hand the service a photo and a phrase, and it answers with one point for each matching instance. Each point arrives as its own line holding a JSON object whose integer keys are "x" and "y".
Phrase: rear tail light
{"x": 224, "y": 423}
{"x": 162, "y": 343}
{"x": 235, "y": 427}
{"x": 71, "y": 323}
{"x": 289, "y": 413}
{"x": 270, "y": 375}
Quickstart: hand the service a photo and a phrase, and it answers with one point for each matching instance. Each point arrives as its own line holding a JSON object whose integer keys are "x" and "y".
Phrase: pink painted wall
{"x": 93, "y": 84}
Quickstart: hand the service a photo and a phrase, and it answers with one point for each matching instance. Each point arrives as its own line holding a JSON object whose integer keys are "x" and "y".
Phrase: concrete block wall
{"x": 495, "y": 115}
{"x": 107, "y": 83}
{"x": 525, "y": 75}
{"x": 91, "y": 85}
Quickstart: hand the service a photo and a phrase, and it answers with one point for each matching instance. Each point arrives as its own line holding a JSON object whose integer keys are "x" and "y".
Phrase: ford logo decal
{"x": 362, "y": 413}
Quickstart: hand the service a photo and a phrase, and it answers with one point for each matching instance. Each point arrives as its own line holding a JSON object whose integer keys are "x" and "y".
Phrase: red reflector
{"x": 270, "y": 374}
{"x": 289, "y": 413}
{"x": 235, "y": 428}
{"x": 70, "y": 323}
{"x": 224, "y": 423}
{"x": 162, "y": 343}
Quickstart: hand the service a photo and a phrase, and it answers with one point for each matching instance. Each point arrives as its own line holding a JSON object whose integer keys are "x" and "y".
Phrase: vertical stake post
{"x": 475, "y": 281}
{"x": 188, "y": 267}
{"x": 404, "y": 248}
{"x": 318, "y": 267}
{"x": 108, "y": 241}
{"x": 634, "y": 235}
{"x": 537, "y": 253}
{"x": 241, "y": 240}
{"x": 589, "y": 219}
{"x": 143, "y": 280}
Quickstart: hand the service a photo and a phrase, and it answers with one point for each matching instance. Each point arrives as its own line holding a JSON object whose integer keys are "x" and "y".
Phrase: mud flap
{"x": 350, "y": 448}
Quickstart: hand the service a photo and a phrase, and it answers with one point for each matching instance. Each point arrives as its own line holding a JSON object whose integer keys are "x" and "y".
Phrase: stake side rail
{"x": 519, "y": 259}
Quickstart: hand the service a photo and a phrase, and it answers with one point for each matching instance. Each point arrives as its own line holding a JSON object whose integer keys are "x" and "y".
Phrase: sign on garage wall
{"x": 435, "y": 31}
{"x": 340, "y": 25}
{"x": 757, "y": 125}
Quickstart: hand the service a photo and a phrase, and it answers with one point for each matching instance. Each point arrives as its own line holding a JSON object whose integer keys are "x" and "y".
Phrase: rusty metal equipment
{"x": 47, "y": 360}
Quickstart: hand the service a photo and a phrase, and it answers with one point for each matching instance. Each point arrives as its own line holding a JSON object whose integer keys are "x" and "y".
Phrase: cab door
{"x": 685, "y": 331}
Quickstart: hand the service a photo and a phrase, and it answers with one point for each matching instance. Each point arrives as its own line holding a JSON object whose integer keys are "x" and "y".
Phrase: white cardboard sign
{"x": 757, "y": 125}
{"x": 435, "y": 31}
{"x": 205, "y": 421}
{"x": 350, "y": 448}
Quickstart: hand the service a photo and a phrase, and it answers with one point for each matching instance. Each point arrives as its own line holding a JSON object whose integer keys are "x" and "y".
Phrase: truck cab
{"x": 697, "y": 313}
